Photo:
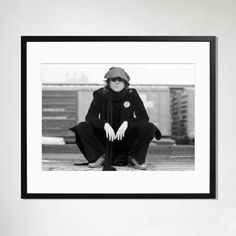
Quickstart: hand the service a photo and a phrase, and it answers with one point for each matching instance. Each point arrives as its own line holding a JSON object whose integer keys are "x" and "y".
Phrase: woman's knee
{"x": 83, "y": 127}
{"x": 148, "y": 129}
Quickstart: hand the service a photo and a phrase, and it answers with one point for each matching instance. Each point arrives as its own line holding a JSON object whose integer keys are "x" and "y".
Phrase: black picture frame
{"x": 25, "y": 194}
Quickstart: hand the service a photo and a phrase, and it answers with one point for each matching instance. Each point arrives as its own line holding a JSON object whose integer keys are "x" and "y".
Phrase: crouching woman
{"x": 116, "y": 114}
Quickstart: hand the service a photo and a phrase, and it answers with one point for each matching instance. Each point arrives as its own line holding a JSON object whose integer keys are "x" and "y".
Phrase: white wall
{"x": 116, "y": 217}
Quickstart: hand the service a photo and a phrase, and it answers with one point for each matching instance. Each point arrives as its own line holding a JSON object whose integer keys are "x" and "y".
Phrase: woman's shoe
{"x": 98, "y": 163}
{"x": 138, "y": 166}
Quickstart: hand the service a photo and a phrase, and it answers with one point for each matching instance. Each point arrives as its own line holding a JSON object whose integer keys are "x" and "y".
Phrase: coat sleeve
{"x": 94, "y": 111}
{"x": 141, "y": 116}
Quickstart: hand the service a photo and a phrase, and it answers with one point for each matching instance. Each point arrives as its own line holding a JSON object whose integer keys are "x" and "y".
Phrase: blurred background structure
{"x": 67, "y": 93}
{"x": 170, "y": 108}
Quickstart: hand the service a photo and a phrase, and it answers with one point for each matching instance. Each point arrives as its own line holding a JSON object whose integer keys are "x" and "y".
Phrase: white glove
{"x": 110, "y": 134}
{"x": 121, "y": 131}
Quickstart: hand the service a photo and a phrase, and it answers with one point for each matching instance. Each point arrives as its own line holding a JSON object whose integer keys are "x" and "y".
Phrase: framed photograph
{"x": 124, "y": 117}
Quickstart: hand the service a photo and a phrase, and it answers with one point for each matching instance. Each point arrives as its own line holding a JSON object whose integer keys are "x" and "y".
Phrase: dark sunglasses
{"x": 116, "y": 79}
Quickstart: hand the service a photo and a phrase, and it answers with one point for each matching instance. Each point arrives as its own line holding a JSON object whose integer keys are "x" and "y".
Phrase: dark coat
{"x": 131, "y": 106}
{"x": 130, "y": 103}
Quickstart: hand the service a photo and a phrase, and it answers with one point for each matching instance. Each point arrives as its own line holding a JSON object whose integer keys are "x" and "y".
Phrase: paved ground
{"x": 159, "y": 158}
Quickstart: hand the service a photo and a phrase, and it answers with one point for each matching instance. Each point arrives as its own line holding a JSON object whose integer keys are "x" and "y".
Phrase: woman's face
{"x": 117, "y": 84}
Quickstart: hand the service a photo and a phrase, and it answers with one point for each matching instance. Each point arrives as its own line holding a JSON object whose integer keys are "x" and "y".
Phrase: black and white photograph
{"x": 118, "y": 117}
{"x": 148, "y": 126}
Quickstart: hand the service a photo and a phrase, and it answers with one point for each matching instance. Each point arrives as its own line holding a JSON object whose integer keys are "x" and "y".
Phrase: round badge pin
{"x": 126, "y": 104}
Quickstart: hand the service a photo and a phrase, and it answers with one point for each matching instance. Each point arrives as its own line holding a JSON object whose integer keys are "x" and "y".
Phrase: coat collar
{"x": 110, "y": 95}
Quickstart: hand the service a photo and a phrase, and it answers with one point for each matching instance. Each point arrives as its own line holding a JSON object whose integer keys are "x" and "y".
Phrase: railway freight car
{"x": 64, "y": 105}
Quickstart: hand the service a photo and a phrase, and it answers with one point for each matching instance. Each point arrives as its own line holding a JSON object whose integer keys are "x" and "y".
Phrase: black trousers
{"x": 92, "y": 143}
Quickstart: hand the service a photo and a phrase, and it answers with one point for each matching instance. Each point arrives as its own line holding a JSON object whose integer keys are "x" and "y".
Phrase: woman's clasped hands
{"x": 110, "y": 134}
